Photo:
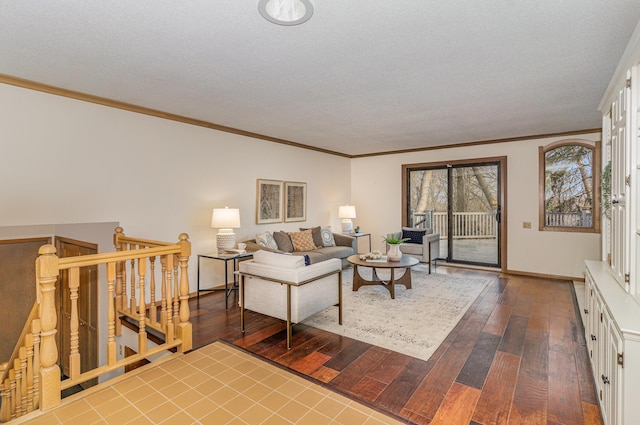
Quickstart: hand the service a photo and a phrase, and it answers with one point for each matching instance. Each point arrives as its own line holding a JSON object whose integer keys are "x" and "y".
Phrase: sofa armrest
{"x": 345, "y": 240}
{"x": 430, "y": 237}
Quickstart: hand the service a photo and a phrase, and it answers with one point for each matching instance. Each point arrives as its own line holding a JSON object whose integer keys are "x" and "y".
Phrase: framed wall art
{"x": 295, "y": 201}
{"x": 268, "y": 201}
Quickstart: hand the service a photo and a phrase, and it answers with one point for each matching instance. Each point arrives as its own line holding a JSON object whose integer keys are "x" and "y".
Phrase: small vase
{"x": 394, "y": 253}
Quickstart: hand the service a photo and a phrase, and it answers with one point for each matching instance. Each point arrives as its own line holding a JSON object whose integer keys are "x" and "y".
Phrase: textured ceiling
{"x": 361, "y": 76}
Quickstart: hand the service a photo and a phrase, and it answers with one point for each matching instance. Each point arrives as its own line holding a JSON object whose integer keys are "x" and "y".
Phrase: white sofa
{"x": 281, "y": 286}
{"x": 426, "y": 252}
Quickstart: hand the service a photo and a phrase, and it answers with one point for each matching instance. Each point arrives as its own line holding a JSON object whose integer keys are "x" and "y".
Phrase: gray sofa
{"x": 345, "y": 246}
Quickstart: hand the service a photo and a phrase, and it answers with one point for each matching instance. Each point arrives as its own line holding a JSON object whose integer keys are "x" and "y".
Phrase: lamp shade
{"x": 347, "y": 211}
{"x": 225, "y": 218}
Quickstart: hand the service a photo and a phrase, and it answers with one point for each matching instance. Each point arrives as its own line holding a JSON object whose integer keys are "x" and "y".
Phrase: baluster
{"x": 142, "y": 309}
{"x": 184, "y": 328}
{"x": 133, "y": 304}
{"x": 28, "y": 341}
{"x": 35, "y": 331}
{"x": 12, "y": 392}
{"x": 5, "y": 408}
{"x": 47, "y": 269}
{"x": 163, "y": 290}
{"x": 153, "y": 312}
{"x": 169, "y": 330}
{"x": 22, "y": 355}
{"x": 176, "y": 291}
{"x": 74, "y": 325}
{"x": 121, "y": 289}
{"x": 111, "y": 314}
{"x": 18, "y": 388}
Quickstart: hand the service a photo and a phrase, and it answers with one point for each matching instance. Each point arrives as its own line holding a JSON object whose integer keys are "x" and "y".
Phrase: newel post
{"x": 47, "y": 275}
{"x": 184, "y": 327}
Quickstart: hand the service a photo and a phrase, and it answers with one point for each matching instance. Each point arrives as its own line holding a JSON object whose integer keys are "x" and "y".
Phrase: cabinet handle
{"x": 586, "y": 311}
{"x": 593, "y": 337}
{"x": 605, "y": 379}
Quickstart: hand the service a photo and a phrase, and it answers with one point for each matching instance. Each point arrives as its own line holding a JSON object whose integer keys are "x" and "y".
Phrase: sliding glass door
{"x": 461, "y": 202}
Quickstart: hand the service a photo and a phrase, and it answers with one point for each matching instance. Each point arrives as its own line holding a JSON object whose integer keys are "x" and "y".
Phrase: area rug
{"x": 414, "y": 323}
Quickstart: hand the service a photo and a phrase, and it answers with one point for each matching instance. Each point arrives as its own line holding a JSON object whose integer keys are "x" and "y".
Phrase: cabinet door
{"x": 608, "y": 374}
{"x": 598, "y": 342}
{"x": 613, "y": 374}
{"x": 620, "y": 169}
{"x": 589, "y": 302}
{"x": 634, "y": 153}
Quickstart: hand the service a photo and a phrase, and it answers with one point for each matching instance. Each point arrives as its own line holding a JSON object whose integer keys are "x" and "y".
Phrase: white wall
{"x": 67, "y": 161}
{"x": 376, "y": 187}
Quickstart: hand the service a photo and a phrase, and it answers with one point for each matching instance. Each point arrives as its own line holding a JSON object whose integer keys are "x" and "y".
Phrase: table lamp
{"x": 225, "y": 219}
{"x": 346, "y": 213}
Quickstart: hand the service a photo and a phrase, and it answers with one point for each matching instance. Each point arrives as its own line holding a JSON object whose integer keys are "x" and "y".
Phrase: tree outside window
{"x": 569, "y": 200}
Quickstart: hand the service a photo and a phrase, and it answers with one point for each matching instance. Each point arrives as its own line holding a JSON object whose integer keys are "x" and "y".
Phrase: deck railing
{"x": 568, "y": 219}
{"x": 32, "y": 380}
{"x": 466, "y": 225}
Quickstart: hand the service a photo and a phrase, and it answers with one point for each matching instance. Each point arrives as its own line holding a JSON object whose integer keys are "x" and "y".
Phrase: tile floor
{"x": 216, "y": 384}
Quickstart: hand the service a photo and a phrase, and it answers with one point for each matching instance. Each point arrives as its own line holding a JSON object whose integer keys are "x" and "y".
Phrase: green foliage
{"x": 605, "y": 187}
{"x": 392, "y": 240}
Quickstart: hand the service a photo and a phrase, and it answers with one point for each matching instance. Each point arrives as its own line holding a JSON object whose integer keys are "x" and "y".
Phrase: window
{"x": 570, "y": 186}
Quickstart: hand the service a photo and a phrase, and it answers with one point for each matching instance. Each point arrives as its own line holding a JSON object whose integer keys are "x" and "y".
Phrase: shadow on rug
{"x": 415, "y": 323}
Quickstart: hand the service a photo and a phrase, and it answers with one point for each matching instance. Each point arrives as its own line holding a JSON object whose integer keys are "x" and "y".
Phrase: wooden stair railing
{"x": 19, "y": 377}
{"x": 168, "y": 315}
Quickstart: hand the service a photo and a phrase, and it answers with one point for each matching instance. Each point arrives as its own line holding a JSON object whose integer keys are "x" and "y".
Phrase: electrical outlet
{"x": 526, "y": 225}
{"x": 121, "y": 349}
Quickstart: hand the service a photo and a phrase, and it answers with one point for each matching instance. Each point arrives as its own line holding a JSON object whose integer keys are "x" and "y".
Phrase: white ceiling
{"x": 361, "y": 76}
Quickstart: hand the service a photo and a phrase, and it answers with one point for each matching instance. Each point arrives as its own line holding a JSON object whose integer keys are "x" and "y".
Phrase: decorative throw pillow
{"x": 414, "y": 235}
{"x": 283, "y": 241}
{"x": 302, "y": 241}
{"x": 315, "y": 234}
{"x": 266, "y": 239}
{"x": 327, "y": 236}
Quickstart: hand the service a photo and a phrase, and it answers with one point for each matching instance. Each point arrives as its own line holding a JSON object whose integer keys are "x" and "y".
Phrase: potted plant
{"x": 394, "y": 253}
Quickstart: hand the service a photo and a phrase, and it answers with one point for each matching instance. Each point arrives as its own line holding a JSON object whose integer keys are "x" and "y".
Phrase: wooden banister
{"x": 25, "y": 330}
{"x": 31, "y": 378}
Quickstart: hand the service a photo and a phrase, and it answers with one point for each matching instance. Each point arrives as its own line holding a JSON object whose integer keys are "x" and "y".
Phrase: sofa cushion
{"x": 414, "y": 235}
{"x": 315, "y": 234}
{"x": 302, "y": 241}
{"x": 266, "y": 239}
{"x": 279, "y": 260}
{"x": 327, "y": 236}
{"x": 284, "y": 241}
{"x": 327, "y": 253}
{"x": 411, "y": 248}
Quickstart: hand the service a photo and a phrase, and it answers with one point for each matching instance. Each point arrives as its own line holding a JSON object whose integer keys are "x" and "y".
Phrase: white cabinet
{"x": 612, "y": 331}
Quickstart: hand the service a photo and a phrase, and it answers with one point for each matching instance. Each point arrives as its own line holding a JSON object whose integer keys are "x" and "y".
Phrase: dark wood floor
{"x": 518, "y": 356}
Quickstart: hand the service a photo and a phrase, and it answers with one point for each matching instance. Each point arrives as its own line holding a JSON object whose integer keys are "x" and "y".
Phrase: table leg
{"x": 198, "y": 287}
{"x": 226, "y": 287}
{"x": 340, "y": 297}
{"x": 288, "y": 317}
{"x": 405, "y": 279}
{"x": 392, "y": 285}
{"x": 242, "y": 303}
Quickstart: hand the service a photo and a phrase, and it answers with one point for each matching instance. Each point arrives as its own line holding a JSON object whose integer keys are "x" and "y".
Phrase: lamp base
{"x": 347, "y": 226}
{"x": 225, "y": 241}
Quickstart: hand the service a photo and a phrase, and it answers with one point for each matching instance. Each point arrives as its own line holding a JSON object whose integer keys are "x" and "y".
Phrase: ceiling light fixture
{"x": 286, "y": 12}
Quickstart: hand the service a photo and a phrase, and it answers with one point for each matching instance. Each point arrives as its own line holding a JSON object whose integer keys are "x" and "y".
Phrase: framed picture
{"x": 268, "y": 201}
{"x": 295, "y": 201}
